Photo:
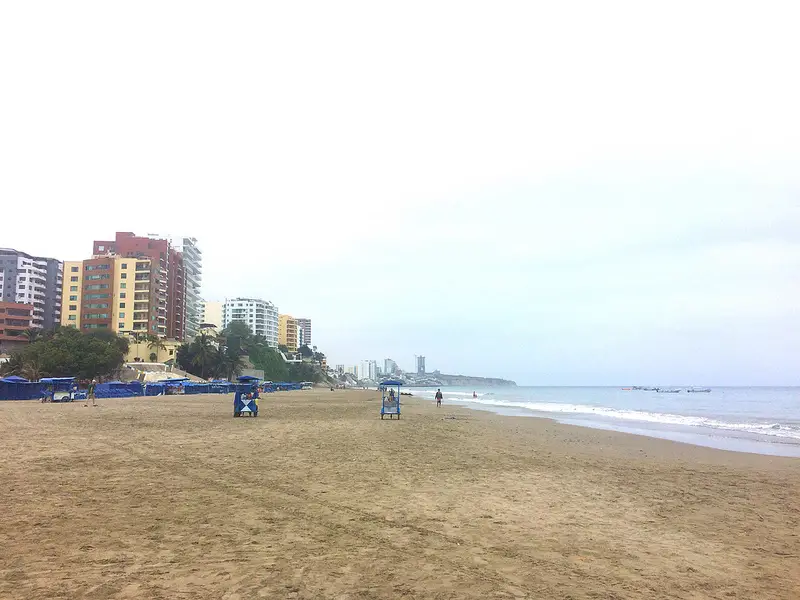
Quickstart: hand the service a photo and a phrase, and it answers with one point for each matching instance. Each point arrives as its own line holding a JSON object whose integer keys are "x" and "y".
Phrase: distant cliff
{"x": 461, "y": 381}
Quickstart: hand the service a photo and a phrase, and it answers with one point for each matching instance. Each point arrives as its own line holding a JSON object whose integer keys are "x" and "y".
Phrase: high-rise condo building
{"x": 304, "y": 332}
{"x": 15, "y": 318}
{"x": 167, "y": 292}
{"x": 114, "y": 293}
{"x": 259, "y": 315}
{"x": 287, "y": 332}
{"x": 389, "y": 366}
{"x": 33, "y": 280}
{"x": 212, "y": 313}
{"x": 193, "y": 278}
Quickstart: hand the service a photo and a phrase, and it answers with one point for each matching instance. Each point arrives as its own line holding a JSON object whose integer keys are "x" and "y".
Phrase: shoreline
{"x": 706, "y": 437}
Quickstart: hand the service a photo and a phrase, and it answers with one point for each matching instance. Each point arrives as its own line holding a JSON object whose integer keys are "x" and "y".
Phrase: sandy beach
{"x": 318, "y": 498}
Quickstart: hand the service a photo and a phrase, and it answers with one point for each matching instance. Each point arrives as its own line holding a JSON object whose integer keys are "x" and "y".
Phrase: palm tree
{"x": 204, "y": 353}
{"x": 228, "y": 363}
{"x": 32, "y": 334}
{"x": 155, "y": 343}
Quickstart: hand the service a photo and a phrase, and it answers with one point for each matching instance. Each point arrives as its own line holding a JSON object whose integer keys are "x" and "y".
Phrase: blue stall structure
{"x": 58, "y": 389}
{"x": 119, "y": 389}
{"x": 390, "y": 398}
{"x": 286, "y": 386}
{"x": 245, "y": 399}
{"x": 14, "y": 387}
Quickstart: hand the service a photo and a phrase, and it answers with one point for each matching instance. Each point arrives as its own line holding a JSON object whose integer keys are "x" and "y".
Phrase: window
{"x": 123, "y": 276}
{"x": 101, "y": 305}
{"x": 73, "y": 298}
{"x": 123, "y": 286}
{"x": 72, "y": 318}
{"x": 122, "y": 294}
{"x": 122, "y": 305}
{"x": 97, "y": 286}
{"x": 124, "y": 265}
{"x": 73, "y": 278}
{"x": 121, "y": 315}
{"x": 101, "y": 248}
{"x": 171, "y": 352}
{"x": 95, "y": 277}
{"x": 121, "y": 326}
{"x": 73, "y": 307}
{"x": 97, "y": 267}
{"x": 96, "y": 296}
{"x": 73, "y": 288}
{"x": 95, "y": 316}
{"x": 74, "y": 269}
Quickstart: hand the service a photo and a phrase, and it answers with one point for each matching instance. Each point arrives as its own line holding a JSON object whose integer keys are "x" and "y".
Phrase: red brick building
{"x": 168, "y": 295}
{"x": 15, "y": 318}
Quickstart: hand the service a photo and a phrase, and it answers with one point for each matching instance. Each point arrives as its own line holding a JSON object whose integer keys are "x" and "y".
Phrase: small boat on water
{"x": 699, "y": 390}
{"x": 667, "y": 391}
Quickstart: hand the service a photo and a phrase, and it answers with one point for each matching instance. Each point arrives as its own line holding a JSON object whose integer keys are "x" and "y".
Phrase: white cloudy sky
{"x": 555, "y": 192}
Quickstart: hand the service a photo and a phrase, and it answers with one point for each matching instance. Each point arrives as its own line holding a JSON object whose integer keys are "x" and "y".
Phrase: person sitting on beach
{"x": 438, "y": 397}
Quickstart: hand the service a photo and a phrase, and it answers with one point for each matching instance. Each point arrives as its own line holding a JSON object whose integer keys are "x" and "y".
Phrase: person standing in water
{"x": 474, "y": 395}
{"x": 438, "y": 397}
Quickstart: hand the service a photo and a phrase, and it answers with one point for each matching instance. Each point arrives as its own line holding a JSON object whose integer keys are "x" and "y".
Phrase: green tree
{"x": 69, "y": 353}
{"x": 271, "y": 362}
{"x": 305, "y": 351}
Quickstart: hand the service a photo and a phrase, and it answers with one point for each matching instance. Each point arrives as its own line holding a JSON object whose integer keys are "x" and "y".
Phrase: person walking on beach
{"x": 438, "y": 398}
{"x": 90, "y": 393}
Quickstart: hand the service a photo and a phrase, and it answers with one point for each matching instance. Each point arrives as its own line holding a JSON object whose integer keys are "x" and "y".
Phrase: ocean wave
{"x": 781, "y": 430}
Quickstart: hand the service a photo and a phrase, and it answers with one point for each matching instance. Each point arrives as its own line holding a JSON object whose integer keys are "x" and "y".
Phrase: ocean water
{"x": 764, "y": 420}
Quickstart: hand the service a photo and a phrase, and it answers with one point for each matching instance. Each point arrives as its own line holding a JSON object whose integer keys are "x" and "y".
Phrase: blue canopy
{"x": 55, "y": 379}
{"x": 175, "y": 380}
{"x": 392, "y": 382}
{"x": 247, "y": 378}
{"x": 14, "y": 379}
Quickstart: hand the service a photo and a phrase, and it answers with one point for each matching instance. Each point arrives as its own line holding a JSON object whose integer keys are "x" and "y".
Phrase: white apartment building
{"x": 261, "y": 316}
{"x": 369, "y": 370}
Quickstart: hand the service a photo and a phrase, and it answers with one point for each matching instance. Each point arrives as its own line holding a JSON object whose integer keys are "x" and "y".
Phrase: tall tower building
{"x": 420, "y": 365}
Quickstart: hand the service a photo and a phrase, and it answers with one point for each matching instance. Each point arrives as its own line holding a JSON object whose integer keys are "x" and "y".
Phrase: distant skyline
{"x": 559, "y": 194}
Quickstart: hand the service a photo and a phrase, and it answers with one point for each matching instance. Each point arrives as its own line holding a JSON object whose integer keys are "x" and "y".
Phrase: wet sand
{"x": 318, "y": 498}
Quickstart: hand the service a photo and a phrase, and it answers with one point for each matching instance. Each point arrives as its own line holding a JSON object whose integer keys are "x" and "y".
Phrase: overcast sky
{"x": 555, "y": 192}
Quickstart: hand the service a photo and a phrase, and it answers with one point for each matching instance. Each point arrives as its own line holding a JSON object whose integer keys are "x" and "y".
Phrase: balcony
{"x": 142, "y": 276}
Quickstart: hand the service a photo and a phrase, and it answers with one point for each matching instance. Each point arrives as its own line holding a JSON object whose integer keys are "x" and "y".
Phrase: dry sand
{"x": 319, "y": 498}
